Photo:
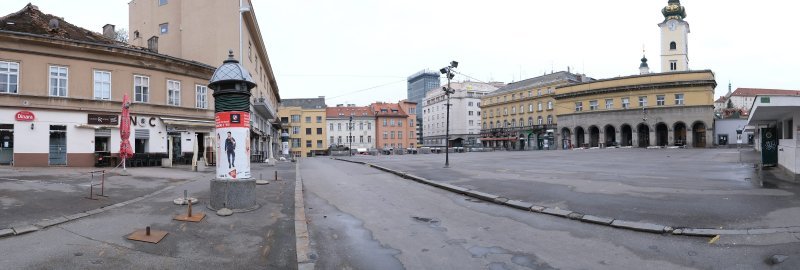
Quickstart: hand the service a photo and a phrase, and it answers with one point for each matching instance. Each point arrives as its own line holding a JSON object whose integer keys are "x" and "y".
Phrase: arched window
{"x": 549, "y": 119}
{"x": 513, "y": 122}
{"x": 530, "y": 121}
{"x": 521, "y": 122}
{"x": 539, "y": 106}
{"x": 491, "y": 125}
{"x": 673, "y": 46}
{"x": 540, "y": 120}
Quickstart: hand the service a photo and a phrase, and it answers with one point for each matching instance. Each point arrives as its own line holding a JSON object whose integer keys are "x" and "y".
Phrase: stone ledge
{"x": 25, "y": 229}
{"x": 519, "y": 204}
{"x": 639, "y": 226}
{"x": 47, "y": 223}
{"x": 556, "y": 212}
{"x": 6, "y": 232}
{"x": 597, "y": 220}
{"x": 481, "y": 195}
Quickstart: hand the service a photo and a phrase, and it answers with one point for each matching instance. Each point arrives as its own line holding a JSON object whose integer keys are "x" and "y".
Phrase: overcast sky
{"x": 359, "y": 51}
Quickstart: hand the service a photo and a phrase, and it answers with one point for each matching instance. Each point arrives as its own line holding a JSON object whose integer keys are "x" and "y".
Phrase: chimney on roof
{"x": 351, "y": 105}
{"x": 108, "y": 31}
{"x": 339, "y": 105}
{"x": 152, "y": 44}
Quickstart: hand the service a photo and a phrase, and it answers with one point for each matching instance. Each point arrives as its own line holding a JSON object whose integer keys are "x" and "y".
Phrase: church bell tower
{"x": 674, "y": 38}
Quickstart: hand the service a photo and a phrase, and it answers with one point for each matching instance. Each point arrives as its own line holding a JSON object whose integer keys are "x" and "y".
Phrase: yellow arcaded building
{"x": 304, "y": 120}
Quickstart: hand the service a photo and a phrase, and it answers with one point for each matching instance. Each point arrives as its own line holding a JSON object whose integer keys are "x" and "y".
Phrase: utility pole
{"x": 350, "y": 138}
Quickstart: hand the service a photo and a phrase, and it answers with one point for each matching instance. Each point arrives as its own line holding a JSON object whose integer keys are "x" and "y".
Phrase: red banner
{"x": 232, "y": 119}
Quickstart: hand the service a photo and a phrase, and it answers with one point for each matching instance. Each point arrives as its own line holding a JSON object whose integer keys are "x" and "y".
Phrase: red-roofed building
{"x": 395, "y": 127}
{"x": 743, "y": 98}
{"x": 362, "y": 134}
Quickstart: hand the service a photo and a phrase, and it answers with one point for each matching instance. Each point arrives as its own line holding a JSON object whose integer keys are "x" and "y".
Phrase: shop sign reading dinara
{"x": 24, "y": 116}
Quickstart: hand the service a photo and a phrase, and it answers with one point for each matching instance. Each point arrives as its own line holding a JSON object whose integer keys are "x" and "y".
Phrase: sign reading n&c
{"x": 24, "y": 116}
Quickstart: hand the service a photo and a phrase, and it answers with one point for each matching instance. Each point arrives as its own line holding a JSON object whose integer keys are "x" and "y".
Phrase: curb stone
{"x": 597, "y": 220}
{"x": 25, "y": 229}
{"x": 519, "y": 204}
{"x": 481, "y": 195}
{"x": 556, "y": 212}
{"x": 52, "y": 222}
{"x": 537, "y": 208}
{"x": 302, "y": 239}
{"x": 639, "y": 226}
{"x": 6, "y": 232}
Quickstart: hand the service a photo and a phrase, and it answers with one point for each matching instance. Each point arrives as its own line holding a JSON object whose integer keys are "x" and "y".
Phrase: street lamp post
{"x": 350, "y": 138}
{"x": 448, "y": 71}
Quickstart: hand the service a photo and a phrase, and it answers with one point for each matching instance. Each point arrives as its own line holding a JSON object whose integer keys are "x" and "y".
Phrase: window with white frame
{"x": 201, "y": 96}
{"x": 609, "y": 103}
{"x": 102, "y": 84}
{"x": 549, "y": 119}
{"x": 643, "y": 101}
{"x": 678, "y": 99}
{"x": 626, "y": 103}
{"x": 539, "y": 106}
{"x": 471, "y": 122}
{"x": 539, "y": 120}
{"x": 173, "y": 93}
{"x": 9, "y": 77}
{"x": 578, "y": 106}
{"x": 660, "y": 100}
{"x": 58, "y": 81}
{"x": 141, "y": 89}
{"x": 513, "y": 110}
{"x": 164, "y": 28}
{"x": 592, "y": 105}
{"x": 550, "y": 105}
{"x": 530, "y": 107}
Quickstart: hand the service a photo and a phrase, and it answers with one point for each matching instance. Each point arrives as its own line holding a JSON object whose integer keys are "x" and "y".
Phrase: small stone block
{"x": 450, "y": 187}
{"x": 677, "y": 231}
{"x": 556, "y": 212}
{"x": 25, "y": 229}
{"x": 765, "y": 231}
{"x": 224, "y": 212}
{"x": 638, "y": 226}
{"x": 501, "y": 200}
{"x": 6, "y": 232}
{"x": 262, "y": 182}
{"x": 537, "y": 208}
{"x": 519, "y": 204}
{"x": 51, "y": 222}
{"x": 597, "y": 220}
{"x": 777, "y": 258}
{"x": 712, "y": 232}
{"x": 154, "y": 237}
{"x": 196, "y": 217}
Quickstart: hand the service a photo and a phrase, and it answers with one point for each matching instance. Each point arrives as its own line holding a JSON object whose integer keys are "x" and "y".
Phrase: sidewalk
{"x": 263, "y": 238}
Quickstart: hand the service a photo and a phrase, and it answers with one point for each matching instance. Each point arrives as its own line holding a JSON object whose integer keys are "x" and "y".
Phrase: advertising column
{"x": 232, "y": 190}
{"x": 233, "y": 135}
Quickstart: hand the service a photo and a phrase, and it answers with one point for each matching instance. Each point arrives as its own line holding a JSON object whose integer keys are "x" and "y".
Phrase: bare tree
{"x": 122, "y": 35}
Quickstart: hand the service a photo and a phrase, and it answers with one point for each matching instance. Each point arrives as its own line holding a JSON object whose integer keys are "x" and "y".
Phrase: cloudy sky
{"x": 359, "y": 51}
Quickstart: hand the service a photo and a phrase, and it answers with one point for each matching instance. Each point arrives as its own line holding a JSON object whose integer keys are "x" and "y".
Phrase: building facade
{"x": 351, "y": 125}
{"x": 304, "y": 120}
{"x": 419, "y": 84}
{"x": 657, "y": 109}
{"x": 776, "y": 124}
{"x": 61, "y": 90}
{"x": 519, "y": 115}
{"x": 465, "y": 115}
{"x": 204, "y": 31}
{"x": 394, "y": 126}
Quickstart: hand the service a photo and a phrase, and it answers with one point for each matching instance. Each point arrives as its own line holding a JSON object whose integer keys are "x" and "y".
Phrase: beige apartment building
{"x": 204, "y": 31}
{"x": 521, "y": 115}
{"x": 304, "y": 120}
{"x": 61, "y": 91}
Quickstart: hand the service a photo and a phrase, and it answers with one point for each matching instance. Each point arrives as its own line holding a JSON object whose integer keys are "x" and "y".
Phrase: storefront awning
{"x": 187, "y": 122}
{"x": 96, "y": 126}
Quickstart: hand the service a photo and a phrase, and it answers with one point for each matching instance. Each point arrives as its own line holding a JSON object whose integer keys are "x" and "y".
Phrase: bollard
{"x": 147, "y": 231}
{"x": 276, "y": 175}
{"x": 190, "y": 209}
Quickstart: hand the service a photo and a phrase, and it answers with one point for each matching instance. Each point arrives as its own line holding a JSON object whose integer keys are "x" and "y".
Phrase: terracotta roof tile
{"x": 32, "y": 21}
{"x": 336, "y": 112}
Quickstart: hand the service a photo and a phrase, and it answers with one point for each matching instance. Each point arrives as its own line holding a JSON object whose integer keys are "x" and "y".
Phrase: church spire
{"x": 674, "y": 10}
{"x": 643, "y": 67}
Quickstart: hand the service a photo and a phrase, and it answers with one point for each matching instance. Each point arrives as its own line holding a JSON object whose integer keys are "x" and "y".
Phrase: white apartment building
{"x": 362, "y": 129}
{"x": 465, "y": 114}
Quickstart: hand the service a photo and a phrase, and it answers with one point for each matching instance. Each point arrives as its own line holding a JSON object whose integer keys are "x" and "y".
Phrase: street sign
{"x": 24, "y": 116}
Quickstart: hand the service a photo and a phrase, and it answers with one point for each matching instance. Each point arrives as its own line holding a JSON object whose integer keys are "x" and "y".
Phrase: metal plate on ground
{"x": 154, "y": 237}
{"x": 196, "y": 217}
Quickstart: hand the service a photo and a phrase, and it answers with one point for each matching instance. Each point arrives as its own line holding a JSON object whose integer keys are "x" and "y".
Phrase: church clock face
{"x": 672, "y": 24}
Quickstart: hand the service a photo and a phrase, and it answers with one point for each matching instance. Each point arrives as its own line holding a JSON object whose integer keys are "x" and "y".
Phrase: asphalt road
{"x": 362, "y": 218}
{"x": 697, "y": 188}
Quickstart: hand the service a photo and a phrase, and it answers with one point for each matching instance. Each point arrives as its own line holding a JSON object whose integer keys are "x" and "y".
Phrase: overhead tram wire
{"x": 369, "y": 88}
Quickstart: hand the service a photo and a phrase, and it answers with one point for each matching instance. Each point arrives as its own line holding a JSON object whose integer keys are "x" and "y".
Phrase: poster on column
{"x": 233, "y": 147}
